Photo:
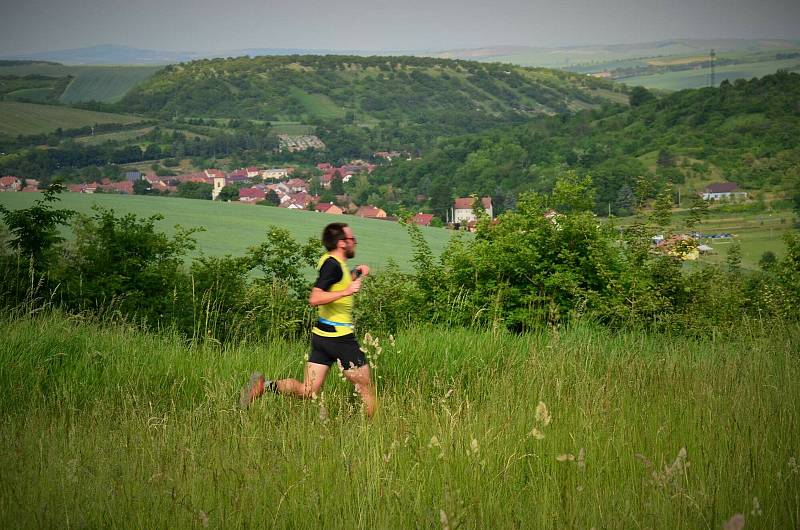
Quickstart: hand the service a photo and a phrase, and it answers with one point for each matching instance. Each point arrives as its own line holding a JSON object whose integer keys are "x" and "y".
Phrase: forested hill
{"x": 360, "y": 89}
{"x": 746, "y": 132}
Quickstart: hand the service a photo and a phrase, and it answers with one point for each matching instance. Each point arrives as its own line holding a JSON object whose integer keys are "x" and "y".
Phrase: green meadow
{"x": 230, "y": 228}
{"x": 29, "y": 118}
{"x": 105, "y": 426}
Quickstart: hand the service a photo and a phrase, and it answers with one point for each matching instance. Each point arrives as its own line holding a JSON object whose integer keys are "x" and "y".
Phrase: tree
{"x": 337, "y": 186}
{"x": 697, "y": 211}
{"x": 625, "y": 202}
{"x": 768, "y": 261}
{"x": 35, "y": 229}
{"x": 441, "y": 197}
{"x": 665, "y": 159}
{"x": 228, "y": 193}
{"x": 195, "y": 190}
{"x": 662, "y": 207}
{"x": 141, "y": 187}
{"x": 639, "y": 96}
{"x": 734, "y": 258}
{"x": 573, "y": 193}
{"x": 272, "y": 198}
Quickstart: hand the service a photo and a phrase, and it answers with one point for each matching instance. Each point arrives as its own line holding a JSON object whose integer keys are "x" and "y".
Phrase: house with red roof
{"x": 10, "y": 183}
{"x": 31, "y": 186}
{"x": 370, "y": 212}
{"x": 251, "y": 195}
{"x": 723, "y": 190}
{"x": 297, "y": 185}
{"x": 238, "y": 175}
{"x": 421, "y": 219}
{"x": 214, "y": 173}
{"x": 328, "y": 207}
{"x": 462, "y": 211}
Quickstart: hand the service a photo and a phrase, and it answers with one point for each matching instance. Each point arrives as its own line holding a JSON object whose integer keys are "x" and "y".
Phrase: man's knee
{"x": 359, "y": 377}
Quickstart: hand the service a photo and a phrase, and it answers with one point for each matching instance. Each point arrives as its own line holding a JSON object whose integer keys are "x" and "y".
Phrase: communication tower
{"x": 712, "y": 57}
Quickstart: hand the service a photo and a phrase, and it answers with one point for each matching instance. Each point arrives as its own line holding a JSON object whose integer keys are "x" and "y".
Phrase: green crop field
{"x": 29, "y": 118}
{"x": 232, "y": 227}
{"x": 118, "y": 136}
{"x": 30, "y": 94}
{"x": 318, "y": 105}
{"x": 105, "y": 426}
{"x": 700, "y": 78}
{"x": 291, "y": 128}
{"x": 91, "y": 83}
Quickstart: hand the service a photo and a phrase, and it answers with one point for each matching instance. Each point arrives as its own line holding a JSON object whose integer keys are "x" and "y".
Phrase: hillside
{"x": 744, "y": 131}
{"x": 360, "y": 89}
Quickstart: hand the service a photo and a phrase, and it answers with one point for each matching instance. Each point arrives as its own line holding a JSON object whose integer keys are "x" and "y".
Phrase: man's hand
{"x": 354, "y": 286}
{"x": 363, "y": 269}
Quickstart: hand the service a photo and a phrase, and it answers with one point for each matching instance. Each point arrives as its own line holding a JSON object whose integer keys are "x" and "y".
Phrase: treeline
{"x": 526, "y": 270}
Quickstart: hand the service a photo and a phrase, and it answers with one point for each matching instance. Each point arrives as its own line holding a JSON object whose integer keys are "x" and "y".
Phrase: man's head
{"x": 339, "y": 235}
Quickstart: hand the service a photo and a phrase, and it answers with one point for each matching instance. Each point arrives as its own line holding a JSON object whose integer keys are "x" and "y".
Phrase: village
{"x": 275, "y": 186}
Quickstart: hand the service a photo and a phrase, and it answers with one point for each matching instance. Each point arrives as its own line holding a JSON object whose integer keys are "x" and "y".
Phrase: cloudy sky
{"x": 213, "y": 25}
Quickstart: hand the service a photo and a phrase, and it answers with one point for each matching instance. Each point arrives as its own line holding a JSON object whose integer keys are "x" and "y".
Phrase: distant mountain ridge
{"x": 125, "y": 55}
{"x": 553, "y": 57}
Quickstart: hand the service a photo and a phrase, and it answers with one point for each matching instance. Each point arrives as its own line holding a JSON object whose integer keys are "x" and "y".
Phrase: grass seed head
{"x": 734, "y": 523}
{"x": 542, "y": 414}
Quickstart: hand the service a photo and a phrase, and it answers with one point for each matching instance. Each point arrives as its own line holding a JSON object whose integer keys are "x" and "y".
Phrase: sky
{"x": 381, "y": 25}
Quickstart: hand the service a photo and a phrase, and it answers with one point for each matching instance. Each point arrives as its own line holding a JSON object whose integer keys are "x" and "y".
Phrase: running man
{"x": 332, "y": 339}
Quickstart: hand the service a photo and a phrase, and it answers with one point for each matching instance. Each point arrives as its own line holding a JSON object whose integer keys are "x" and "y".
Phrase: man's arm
{"x": 320, "y": 297}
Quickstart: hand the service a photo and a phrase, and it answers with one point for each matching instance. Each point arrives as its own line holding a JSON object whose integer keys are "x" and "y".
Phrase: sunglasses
{"x": 351, "y": 239}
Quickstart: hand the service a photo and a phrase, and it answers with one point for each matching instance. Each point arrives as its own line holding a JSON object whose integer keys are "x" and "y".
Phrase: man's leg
{"x": 309, "y": 387}
{"x": 312, "y": 382}
{"x": 361, "y": 379}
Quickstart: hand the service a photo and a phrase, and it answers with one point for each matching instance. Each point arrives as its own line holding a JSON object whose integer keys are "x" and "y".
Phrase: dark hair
{"x": 332, "y": 234}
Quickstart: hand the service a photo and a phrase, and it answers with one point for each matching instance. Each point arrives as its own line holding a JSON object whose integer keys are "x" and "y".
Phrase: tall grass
{"x": 103, "y": 425}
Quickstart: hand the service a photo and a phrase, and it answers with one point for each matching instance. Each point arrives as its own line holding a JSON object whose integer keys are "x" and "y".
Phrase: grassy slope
{"x": 98, "y": 83}
{"x": 28, "y": 118}
{"x": 108, "y": 427}
{"x": 231, "y": 228}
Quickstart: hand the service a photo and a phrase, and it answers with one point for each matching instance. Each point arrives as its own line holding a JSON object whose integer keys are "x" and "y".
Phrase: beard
{"x": 350, "y": 253}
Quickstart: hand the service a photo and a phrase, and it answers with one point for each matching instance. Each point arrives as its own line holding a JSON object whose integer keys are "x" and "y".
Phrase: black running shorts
{"x": 329, "y": 350}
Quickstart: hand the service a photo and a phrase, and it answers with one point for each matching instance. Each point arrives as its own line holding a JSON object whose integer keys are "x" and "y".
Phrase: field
{"x": 231, "y": 228}
{"x": 700, "y": 78}
{"x": 318, "y": 105}
{"x": 30, "y": 94}
{"x": 29, "y": 118}
{"x": 91, "y": 83}
{"x": 292, "y": 128}
{"x": 104, "y": 426}
{"x": 755, "y": 232}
